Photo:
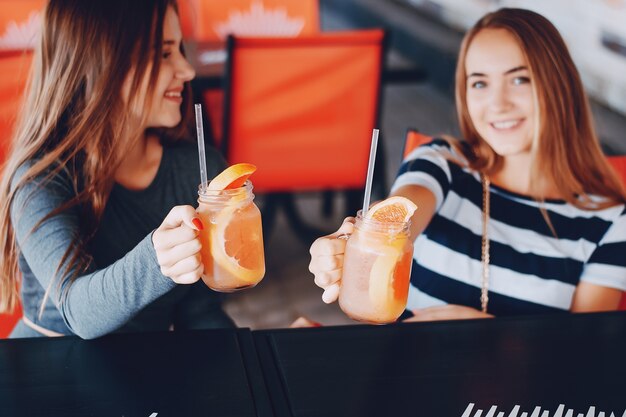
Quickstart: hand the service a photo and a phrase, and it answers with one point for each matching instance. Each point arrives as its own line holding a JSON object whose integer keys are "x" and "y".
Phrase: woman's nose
{"x": 185, "y": 71}
{"x": 499, "y": 99}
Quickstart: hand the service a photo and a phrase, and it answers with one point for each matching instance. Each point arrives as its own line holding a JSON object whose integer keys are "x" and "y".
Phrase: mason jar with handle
{"x": 232, "y": 238}
{"x": 376, "y": 271}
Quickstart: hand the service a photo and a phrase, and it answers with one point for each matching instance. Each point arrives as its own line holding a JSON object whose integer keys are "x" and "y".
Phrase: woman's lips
{"x": 506, "y": 124}
{"x": 174, "y": 95}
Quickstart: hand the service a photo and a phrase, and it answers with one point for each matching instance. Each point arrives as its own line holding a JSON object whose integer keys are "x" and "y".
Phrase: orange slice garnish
{"x": 234, "y": 176}
{"x": 402, "y": 276}
{"x": 388, "y": 281}
{"x": 237, "y": 243}
{"x": 386, "y": 275}
{"x": 394, "y": 209}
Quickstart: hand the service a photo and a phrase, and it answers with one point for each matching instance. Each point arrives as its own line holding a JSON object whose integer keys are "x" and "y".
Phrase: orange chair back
{"x": 17, "y": 64}
{"x": 11, "y": 93}
{"x": 211, "y": 20}
{"x": 303, "y": 109}
{"x": 8, "y": 322}
{"x": 619, "y": 164}
{"x": 413, "y": 140}
{"x": 186, "y": 15}
{"x": 20, "y": 23}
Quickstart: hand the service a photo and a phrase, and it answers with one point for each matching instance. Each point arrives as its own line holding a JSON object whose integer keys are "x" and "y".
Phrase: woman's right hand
{"x": 327, "y": 260}
{"x": 177, "y": 245}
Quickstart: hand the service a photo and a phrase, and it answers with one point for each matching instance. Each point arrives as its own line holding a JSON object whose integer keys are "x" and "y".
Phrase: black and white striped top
{"x": 531, "y": 270}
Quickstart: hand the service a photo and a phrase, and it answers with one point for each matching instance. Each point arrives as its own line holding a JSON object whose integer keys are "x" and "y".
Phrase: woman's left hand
{"x": 447, "y": 312}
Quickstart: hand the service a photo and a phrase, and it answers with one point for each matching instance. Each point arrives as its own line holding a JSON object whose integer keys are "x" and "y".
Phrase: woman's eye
{"x": 521, "y": 80}
{"x": 479, "y": 84}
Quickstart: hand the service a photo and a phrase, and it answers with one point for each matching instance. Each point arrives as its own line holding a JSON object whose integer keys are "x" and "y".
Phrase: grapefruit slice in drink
{"x": 234, "y": 176}
{"x": 235, "y": 237}
{"x": 395, "y": 209}
{"x": 388, "y": 282}
{"x": 237, "y": 244}
{"x": 385, "y": 280}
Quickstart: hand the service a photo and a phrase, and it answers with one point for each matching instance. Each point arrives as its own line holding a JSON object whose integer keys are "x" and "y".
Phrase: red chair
{"x": 414, "y": 139}
{"x": 19, "y": 26}
{"x": 619, "y": 164}
{"x": 16, "y": 63}
{"x": 20, "y": 22}
{"x": 11, "y": 88}
{"x": 212, "y": 21}
{"x": 8, "y": 322}
{"x": 303, "y": 109}
{"x": 186, "y": 15}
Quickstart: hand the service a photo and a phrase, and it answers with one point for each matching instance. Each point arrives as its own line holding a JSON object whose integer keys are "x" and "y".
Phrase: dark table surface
{"x": 201, "y": 373}
{"x": 452, "y": 369}
{"x": 439, "y": 369}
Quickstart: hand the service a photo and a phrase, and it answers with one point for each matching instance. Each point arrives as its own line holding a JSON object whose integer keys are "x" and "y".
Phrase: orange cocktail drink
{"x": 232, "y": 238}
{"x": 376, "y": 270}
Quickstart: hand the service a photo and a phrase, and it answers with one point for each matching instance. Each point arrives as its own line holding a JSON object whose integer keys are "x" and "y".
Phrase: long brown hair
{"x": 74, "y": 117}
{"x": 566, "y": 149}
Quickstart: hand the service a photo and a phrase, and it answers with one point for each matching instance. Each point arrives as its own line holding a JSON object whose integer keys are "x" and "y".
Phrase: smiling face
{"x": 174, "y": 71}
{"x": 499, "y": 93}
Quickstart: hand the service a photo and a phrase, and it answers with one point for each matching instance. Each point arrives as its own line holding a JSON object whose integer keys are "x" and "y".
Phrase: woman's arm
{"x": 426, "y": 203}
{"x": 591, "y": 297}
{"x": 99, "y": 301}
{"x": 604, "y": 275}
{"x": 447, "y": 312}
{"x": 327, "y": 252}
{"x": 424, "y": 180}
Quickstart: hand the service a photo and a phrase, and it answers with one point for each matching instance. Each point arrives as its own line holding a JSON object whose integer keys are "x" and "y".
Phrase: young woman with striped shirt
{"x": 522, "y": 217}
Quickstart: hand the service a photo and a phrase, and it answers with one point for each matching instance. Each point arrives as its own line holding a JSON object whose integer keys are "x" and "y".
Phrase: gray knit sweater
{"x": 123, "y": 290}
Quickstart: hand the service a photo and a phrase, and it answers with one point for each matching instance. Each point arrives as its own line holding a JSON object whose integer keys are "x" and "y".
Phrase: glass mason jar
{"x": 232, "y": 239}
{"x": 376, "y": 271}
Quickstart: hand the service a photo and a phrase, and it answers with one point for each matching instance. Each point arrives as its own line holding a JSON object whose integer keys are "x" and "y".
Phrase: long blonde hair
{"x": 74, "y": 117}
{"x": 566, "y": 149}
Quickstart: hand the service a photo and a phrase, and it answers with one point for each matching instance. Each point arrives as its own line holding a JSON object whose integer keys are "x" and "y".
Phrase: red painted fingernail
{"x": 316, "y": 324}
{"x": 198, "y": 223}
